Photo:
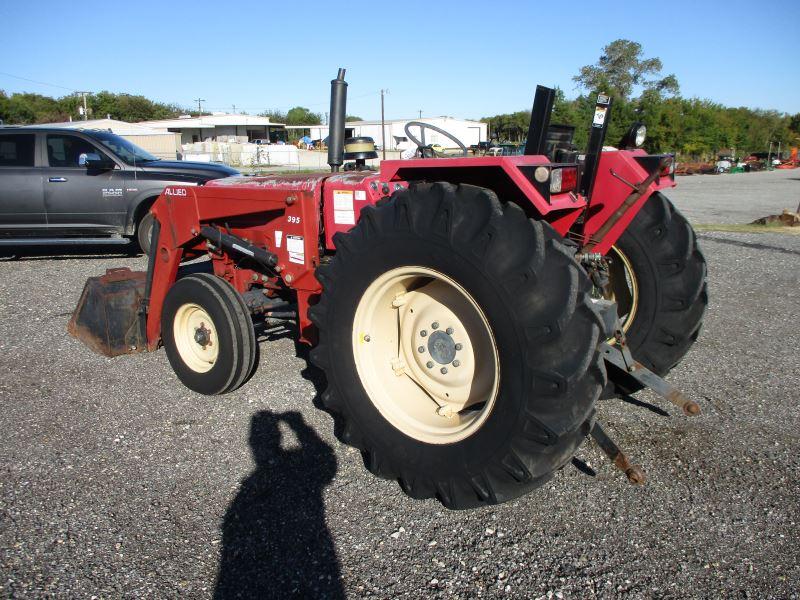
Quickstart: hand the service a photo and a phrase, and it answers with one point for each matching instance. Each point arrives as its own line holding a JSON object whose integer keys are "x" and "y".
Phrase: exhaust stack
{"x": 336, "y": 122}
{"x": 540, "y": 120}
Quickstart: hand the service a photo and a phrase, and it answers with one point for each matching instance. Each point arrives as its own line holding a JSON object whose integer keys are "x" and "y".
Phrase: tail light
{"x": 564, "y": 179}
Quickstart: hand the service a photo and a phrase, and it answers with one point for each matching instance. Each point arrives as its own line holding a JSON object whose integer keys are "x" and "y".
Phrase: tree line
{"x": 30, "y": 109}
{"x": 694, "y": 128}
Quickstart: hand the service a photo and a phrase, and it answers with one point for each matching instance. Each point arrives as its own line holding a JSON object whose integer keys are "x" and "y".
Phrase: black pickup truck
{"x": 83, "y": 186}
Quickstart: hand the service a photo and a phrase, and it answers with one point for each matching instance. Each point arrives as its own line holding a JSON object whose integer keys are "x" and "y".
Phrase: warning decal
{"x": 343, "y": 199}
{"x": 296, "y": 249}
{"x": 343, "y": 213}
{"x": 344, "y": 217}
{"x": 599, "y": 116}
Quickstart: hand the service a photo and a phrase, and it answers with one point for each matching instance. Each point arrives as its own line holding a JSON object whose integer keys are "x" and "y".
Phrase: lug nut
{"x": 459, "y": 346}
{"x": 423, "y": 333}
{"x": 435, "y": 325}
{"x": 449, "y": 331}
{"x": 367, "y": 338}
{"x": 456, "y": 363}
{"x": 443, "y": 370}
{"x": 421, "y": 349}
{"x": 429, "y": 364}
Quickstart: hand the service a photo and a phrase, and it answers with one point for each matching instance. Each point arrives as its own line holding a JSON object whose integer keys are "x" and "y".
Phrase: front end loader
{"x": 468, "y": 312}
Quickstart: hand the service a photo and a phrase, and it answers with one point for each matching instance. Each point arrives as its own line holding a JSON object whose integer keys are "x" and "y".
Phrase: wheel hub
{"x": 202, "y": 335}
{"x": 442, "y": 347}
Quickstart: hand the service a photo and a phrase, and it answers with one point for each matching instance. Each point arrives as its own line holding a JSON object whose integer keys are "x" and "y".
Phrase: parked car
{"x": 83, "y": 186}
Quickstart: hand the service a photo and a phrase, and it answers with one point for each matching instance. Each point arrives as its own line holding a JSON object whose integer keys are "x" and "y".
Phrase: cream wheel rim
{"x": 623, "y": 287}
{"x": 195, "y": 337}
{"x": 426, "y": 355}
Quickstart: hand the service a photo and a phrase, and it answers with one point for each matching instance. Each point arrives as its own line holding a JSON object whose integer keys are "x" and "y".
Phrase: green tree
{"x": 302, "y": 116}
{"x": 27, "y": 109}
{"x": 351, "y": 118}
{"x": 621, "y": 68}
{"x": 129, "y": 107}
{"x": 274, "y": 115}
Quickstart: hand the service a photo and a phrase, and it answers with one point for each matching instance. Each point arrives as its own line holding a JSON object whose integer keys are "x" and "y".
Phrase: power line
{"x": 35, "y": 81}
{"x": 287, "y": 107}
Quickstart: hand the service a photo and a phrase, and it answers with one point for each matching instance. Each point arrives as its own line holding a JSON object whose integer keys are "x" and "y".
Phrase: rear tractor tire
{"x": 658, "y": 279}
{"x": 459, "y": 341}
{"x": 208, "y": 334}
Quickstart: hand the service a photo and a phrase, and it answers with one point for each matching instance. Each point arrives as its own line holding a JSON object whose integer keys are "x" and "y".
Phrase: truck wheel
{"x": 459, "y": 342}
{"x": 144, "y": 230}
{"x": 658, "y": 278}
{"x": 208, "y": 334}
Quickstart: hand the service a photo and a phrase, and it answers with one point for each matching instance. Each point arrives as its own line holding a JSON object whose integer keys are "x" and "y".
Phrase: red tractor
{"x": 468, "y": 312}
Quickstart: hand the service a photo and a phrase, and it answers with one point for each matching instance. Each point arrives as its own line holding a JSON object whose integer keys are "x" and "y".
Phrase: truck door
{"x": 81, "y": 198}
{"x": 22, "y": 210}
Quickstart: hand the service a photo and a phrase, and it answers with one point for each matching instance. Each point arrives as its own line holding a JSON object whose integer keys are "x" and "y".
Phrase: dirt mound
{"x": 786, "y": 219}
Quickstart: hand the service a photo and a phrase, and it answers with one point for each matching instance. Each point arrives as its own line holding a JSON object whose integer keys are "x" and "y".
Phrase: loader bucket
{"x": 108, "y": 317}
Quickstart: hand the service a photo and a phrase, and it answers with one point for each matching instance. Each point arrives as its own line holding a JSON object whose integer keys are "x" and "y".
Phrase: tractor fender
{"x": 618, "y": 176}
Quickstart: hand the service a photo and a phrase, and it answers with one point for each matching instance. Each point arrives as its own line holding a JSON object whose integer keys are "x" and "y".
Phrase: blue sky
{"x": 465, "y": 59}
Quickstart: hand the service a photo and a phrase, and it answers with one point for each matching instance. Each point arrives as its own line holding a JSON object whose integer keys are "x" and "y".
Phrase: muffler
{"x": 110, "y": 317}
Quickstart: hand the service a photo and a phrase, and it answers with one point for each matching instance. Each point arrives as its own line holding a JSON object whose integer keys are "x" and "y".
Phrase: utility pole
{"x": 383, "y": 125}
{"x": 420, "y": 113}
{"x": 199, "y": 105}
{"x": 234, "y": 109}
{"x": 85, "y": 109}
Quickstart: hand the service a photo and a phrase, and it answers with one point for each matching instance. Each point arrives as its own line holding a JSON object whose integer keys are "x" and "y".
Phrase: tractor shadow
{"x": 316, "y": 377}
{"x": 275, "y": 540}
{"x": 628, "y": 399}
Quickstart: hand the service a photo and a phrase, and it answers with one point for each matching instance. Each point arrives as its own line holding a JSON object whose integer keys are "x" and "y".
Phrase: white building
{"x": 221, "y": 127}
{"x": 468, "y": 132}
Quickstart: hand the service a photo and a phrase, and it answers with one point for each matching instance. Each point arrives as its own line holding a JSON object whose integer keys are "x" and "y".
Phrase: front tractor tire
{"x": 208, "y": 334}
{"x": 459, "y": 341}
{"x": 658, "y": 279}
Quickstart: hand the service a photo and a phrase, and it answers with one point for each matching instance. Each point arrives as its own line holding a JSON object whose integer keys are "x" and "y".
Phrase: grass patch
{"x": 748, "y": 228}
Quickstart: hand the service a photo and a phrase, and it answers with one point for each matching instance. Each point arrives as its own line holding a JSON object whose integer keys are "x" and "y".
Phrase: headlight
{"x": 634, "y": 137}
{"x": 641, "y": 133}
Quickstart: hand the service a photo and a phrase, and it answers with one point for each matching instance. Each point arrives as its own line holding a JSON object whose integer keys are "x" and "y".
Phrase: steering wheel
{"x": 423, "y": 126}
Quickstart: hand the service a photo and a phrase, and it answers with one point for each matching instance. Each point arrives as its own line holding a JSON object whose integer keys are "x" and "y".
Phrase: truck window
{"x": 64, "y": 150}
{"x": 17, "y": 150}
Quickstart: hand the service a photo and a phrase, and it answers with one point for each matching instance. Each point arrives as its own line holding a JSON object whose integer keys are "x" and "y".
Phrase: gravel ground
{"x": 117, "y": 481}
{"x": 740, "y": 198}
